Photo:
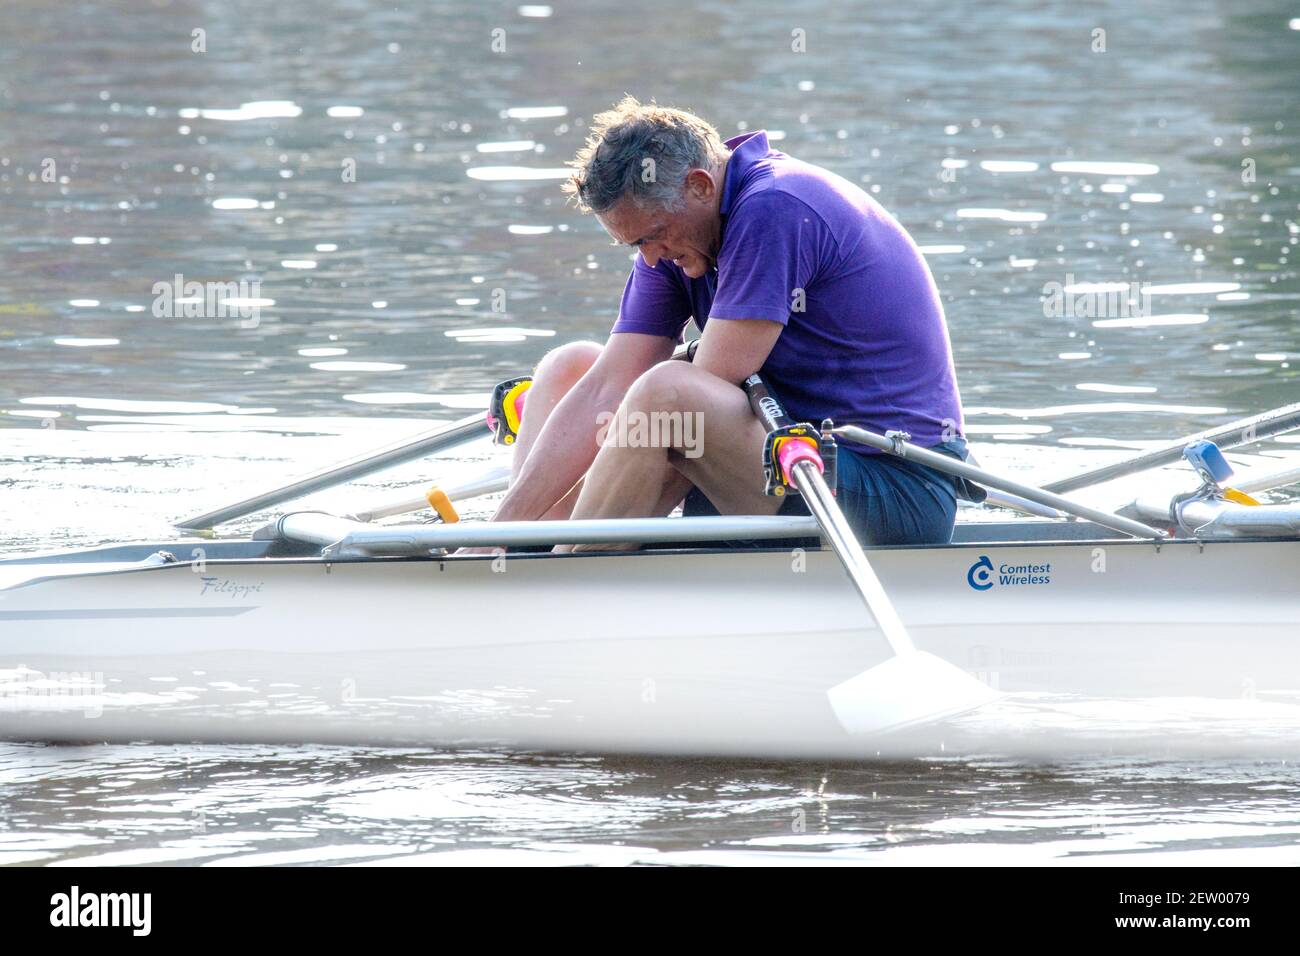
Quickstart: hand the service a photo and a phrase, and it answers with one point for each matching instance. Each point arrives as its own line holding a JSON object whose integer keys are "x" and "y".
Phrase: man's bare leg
{"x": 557, "y": 372}
{"x": 675, "y": 488}
{"x": 724, "y": 460}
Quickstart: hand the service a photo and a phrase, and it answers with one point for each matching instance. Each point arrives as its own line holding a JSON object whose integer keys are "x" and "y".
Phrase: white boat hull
{"x": 663, "y": 652}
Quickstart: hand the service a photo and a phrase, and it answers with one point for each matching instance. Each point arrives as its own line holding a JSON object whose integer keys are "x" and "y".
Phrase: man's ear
{"x": 700, "y": 184}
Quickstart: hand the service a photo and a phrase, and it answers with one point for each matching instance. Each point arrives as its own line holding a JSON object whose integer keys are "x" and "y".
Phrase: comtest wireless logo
{"x": 980, "y": 575}
{"x": 983, "y": 575}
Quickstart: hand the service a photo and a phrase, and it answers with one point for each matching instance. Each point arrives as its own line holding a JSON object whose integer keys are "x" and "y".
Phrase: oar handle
{"x": 767, "y": 407}
{"x": 788, "y": 442}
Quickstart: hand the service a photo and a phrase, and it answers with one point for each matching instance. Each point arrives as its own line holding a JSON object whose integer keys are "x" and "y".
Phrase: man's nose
{"x": 653, "y": 252}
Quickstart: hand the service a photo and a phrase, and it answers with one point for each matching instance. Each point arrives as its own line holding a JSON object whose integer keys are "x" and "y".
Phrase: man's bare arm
{"x": 734, "y": 349}
{"x": 566, "y": 445}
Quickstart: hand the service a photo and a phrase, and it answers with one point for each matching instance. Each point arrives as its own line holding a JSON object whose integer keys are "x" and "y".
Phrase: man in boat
{"x": 787, "y": 269}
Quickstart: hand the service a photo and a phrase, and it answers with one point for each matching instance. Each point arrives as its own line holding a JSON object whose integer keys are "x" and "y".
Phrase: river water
{"x": 383, "y": 179}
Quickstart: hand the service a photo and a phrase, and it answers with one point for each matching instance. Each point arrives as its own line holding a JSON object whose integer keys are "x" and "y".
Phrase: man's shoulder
{"x": 786, "y": 187}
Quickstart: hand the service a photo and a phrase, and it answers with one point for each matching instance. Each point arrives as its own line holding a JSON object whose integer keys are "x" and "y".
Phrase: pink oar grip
{"x": 793, "y": 452}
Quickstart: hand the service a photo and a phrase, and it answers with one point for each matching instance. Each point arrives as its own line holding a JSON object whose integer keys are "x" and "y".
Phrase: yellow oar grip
{"x": 1240, "y": 497}
{"x": 510, "y": 406}
{"x": 440, "y": 503}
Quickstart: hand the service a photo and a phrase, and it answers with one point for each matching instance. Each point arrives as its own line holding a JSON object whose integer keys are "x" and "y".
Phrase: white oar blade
{"x": 906, "y": 691}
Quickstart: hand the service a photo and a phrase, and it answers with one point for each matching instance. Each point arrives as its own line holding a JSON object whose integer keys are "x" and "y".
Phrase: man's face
{"x": 689, "y": 236}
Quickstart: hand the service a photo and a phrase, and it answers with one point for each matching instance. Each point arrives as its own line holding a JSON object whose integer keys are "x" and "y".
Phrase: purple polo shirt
{"x": 864, "y": 342}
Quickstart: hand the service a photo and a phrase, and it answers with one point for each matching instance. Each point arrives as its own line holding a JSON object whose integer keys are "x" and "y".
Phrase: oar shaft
{"x": 1001, "y": 499}
{"x": 429, "y": 443}
{"x": 1244, "y": 431}
{"x": 835, "y": 528}
{"x": 490, "y": 482}
{"x": 1262, "y": 482}
{"x": 953, "y": 466}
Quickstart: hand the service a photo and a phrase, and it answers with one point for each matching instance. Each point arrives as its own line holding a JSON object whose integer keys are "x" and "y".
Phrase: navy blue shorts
{"x": 887, "y": 500}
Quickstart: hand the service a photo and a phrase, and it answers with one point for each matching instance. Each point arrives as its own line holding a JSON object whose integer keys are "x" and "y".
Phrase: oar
{"x": 912, "y": 687}
{"x": 1244, "y": 431}
{"x": 1259, "y": 481}
{"x": 429, "y": 443}
{"x": 502, "y": 417}
{"x": 895, "y": 444}
{"x": 504, "y": 413}
{"x": 441, "y": 497}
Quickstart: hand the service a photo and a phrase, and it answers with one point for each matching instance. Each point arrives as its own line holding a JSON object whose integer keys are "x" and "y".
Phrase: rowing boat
{"x": 677, "y": 649}
{"x": 336, "y": 628}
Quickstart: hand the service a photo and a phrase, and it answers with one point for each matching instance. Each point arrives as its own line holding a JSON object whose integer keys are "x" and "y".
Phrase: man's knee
{"x": 568, "y": 363}
{"x": 666, "y": 387}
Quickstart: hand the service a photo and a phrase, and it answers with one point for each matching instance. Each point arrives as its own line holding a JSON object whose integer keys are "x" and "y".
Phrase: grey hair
{"x": 643, "y": 151}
